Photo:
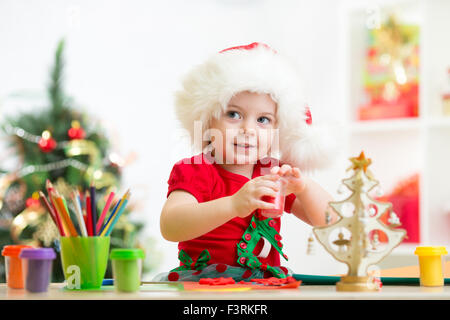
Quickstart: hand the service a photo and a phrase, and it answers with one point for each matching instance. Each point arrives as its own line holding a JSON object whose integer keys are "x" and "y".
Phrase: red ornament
{"x": 76, "y": 132}
{"x": 32, "y": 202}
{"x": 247, "y": 274}
{"x": 221, "y": 268}
{"x": 173, "y": 276}
{"x": 47, "y": 143}
{"x": 285, "y": 270}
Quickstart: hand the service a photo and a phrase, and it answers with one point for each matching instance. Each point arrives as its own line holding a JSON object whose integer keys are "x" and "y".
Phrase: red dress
{"x": 207, "y": 181}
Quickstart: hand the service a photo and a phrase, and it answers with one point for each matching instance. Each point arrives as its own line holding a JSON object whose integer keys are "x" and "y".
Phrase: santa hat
{"x": 208, "y": 88}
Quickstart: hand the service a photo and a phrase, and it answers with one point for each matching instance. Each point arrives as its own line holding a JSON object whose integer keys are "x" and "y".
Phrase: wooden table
{"x": 157, "y": 292}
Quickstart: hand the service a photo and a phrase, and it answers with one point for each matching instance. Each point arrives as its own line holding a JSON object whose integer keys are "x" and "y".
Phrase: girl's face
{"x": 244, "y": 132}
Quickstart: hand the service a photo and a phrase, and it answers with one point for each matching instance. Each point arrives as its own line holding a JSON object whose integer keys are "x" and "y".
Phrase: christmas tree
{"x": 354, "y": 238}
{"x": 66, "y": 146}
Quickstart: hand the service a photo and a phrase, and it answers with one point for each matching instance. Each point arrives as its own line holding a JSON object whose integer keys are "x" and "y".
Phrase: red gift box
{"x": 406, "y": 105}
{"x": 381, "y": 111}
{"x": 405, "y": 204}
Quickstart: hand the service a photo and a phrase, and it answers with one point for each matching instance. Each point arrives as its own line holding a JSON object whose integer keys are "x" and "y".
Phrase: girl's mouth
{"x": 243, "y": 145}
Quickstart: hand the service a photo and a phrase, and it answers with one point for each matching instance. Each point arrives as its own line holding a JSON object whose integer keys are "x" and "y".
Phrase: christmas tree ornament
{"x": 341, "y": 189}
{"x": 47, "y": 233}
{"x": 355, "y": 250}
{"x": 327, "y": 217}
{"x": 33, "y": 200}
{"x": 379, "y": 192}
{"x": 375, "y": 241}
{"x": 94, "y": 171}
{"x": 394, "y": 220}
{"x": 25, "y": 224}
{"x": 76, "y": 131}
{"x": 372, "y": 211}
{"x": 310, "y": 249}
{"x": 46, "y": 142}
{"x": 341, "y": 242}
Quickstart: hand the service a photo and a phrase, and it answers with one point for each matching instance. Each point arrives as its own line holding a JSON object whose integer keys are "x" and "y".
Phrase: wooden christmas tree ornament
{"x": 360, "y": 250}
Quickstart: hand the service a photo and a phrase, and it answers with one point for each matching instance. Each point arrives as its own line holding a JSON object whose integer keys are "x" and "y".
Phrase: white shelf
{"x": 376, "y": 126}
{"x": 399, "y": 146}
{"x": 439, "y": 122}
{"x": 400, "y": 124}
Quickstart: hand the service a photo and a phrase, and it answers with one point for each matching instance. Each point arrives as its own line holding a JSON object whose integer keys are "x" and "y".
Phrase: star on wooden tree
{"x": 360, "y": 162}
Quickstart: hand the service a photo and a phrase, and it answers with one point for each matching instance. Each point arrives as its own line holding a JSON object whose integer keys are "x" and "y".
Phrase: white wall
{"x": 124, "y": 61}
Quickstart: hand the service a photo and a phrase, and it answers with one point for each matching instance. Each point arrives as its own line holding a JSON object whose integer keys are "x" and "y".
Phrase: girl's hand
{"x": 248, "y": 198}
{"x": 292, "y": 179}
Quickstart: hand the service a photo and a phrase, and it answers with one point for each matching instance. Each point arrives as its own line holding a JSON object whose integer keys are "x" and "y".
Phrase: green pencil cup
{"x": 84, "y": 261}
{"x": 127, "y": 269}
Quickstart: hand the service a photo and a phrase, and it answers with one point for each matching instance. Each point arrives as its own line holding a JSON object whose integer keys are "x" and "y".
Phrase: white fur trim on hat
{"x": 208, "y": 88}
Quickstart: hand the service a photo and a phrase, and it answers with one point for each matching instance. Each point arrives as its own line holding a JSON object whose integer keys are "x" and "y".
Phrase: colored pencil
{"x": 51, "y": 211}
{"x": 66, "y": 207}
{"x": 110, "y": 226}
{"x": 111, "y": 216}
{"x": 50, "y": 189}
{"x": 65, "y": 216}
{"x": 79, "y": 214}
{"x": 46, "y": 204}
{"x": 82, "y": 211}
{"x": 105, "y": 210}
{"x": 116, "y": 217}
{"x": 93, "y": 210}
{"x": 89, "y": 214}
{"x": 89, "y": 222}
{"x": 64, "y": 226}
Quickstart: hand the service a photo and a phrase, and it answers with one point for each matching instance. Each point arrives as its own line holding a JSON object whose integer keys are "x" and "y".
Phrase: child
{"x": 242, "y": 99}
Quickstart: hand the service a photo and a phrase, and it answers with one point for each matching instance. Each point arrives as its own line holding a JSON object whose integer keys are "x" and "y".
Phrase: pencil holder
{"x": 84, "y": 261}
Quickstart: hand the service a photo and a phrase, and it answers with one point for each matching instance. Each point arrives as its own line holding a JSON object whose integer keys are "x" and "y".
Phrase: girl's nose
{"x": 248, "y": 128}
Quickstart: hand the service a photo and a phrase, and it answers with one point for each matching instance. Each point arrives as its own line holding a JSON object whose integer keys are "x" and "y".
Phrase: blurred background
{"x": 106, "y": 72}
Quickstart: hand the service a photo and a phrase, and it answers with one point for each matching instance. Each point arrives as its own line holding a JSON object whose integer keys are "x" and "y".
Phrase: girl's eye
{"x": 264, "y": 120}
{"x": 233, "y": 115}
